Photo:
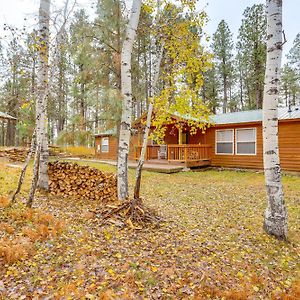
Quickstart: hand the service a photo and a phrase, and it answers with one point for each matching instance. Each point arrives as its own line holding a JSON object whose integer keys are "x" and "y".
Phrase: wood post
{"x": 180, "y": 136}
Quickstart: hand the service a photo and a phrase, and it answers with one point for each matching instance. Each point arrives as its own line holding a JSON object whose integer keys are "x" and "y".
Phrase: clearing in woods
{"x": 212, "y": 245}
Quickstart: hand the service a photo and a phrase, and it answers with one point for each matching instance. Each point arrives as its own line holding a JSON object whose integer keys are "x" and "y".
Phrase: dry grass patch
{"x": 21, "y": 228}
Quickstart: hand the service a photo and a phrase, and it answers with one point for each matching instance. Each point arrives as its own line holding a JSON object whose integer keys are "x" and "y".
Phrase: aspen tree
{"x": 126, "y": 91}
{"x": 275, "y": 222}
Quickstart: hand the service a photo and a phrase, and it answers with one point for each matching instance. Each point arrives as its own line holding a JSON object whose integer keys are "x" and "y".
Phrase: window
{"x": 104, "y": 144}
{"x": 224, "y": 141}
{"x": 246, "y": 141}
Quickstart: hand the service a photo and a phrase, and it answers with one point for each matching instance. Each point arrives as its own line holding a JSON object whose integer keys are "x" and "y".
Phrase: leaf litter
{"x": 211, "y": 244}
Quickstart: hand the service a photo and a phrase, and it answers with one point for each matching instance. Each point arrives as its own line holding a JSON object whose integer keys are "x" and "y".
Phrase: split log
{"x": 15, "y": 154}
{"x": 82, "y": 182}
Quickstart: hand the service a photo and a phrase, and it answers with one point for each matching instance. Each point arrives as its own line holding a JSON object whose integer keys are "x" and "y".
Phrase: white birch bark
{"x": 41, "y": 103}
{"x": 126, "y": 90}
{"x": 24, "y": 168}
{"x": 138, "y": 176}
{"x": 275, "y": 222}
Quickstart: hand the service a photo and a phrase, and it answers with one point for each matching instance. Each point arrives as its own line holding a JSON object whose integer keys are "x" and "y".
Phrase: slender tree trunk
{"x": 225, "y": 99}
{"x": 275, "y": 222}
{"x": 148, "y": 125}
{"x": 125, "y": 126}
{"x": 225, "y": 88}
{"x": 36, "y": 176}
{"x": 241, "y": 91}
{"x": 119, "y": 38}
{"x": 42, "y": 94}
{"x": 23, "y": 172}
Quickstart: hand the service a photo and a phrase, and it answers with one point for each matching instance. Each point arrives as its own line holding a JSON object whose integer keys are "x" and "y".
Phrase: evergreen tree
{"x": 294, "y": 54}
{"x": 251, "y": 48}
{"x": 222, "y": 47}
{"x": 290, "y": 85}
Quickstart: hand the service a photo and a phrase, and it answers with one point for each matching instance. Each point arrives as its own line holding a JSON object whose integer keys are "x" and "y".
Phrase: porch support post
{"x": 180, "y": 136}
{"x": 139, "y": 137}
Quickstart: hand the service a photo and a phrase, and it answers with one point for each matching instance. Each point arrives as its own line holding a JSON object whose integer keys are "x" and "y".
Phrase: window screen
{"x": 104, "y": 145}
{"x": 246, "y": 141}
{"x": 224, "y": 141}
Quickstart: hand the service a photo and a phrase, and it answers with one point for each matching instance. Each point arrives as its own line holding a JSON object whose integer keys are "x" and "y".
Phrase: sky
{"x": 13, "y": 12}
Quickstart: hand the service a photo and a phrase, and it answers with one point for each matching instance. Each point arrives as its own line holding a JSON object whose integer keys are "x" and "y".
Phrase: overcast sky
{"x": 14, "y": 11}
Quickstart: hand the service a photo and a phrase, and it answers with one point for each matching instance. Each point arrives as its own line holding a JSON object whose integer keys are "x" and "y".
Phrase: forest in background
{"x": 85, "y": 71}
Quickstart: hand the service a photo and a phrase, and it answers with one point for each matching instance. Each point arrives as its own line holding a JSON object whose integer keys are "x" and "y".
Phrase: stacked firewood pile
{"x": 83, "y": 182}
{"x": 20, "y": 154}
{"x": 15, "y": 154}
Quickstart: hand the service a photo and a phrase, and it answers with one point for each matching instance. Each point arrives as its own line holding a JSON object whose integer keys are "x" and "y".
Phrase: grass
{"x": 212, "y": 245}
{"x": 80, "y": 151}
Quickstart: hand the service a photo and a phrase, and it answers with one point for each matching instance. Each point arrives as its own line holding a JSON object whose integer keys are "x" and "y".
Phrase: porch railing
{"x": 151, "y": 153}
{"x": 180, "y": 153}
{"x": 189, "y": 152}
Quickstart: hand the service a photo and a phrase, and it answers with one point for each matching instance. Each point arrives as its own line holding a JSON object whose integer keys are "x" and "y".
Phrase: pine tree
{"x": 290, "y": 85}
{"x": 222, "y": 47}
{"x": 294, "y": 54}
{"x": 251, "y": 48}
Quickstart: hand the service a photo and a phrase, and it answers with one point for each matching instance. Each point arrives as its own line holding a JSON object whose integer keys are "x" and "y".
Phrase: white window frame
{"x": 255, "y": 141}
{"x": 216, "y": 142}
{"x": 106, "y": 138}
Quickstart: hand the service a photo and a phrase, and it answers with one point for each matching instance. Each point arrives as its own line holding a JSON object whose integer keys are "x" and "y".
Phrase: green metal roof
{"x": 254, "y": 116}
{"x": 107, "y": 132}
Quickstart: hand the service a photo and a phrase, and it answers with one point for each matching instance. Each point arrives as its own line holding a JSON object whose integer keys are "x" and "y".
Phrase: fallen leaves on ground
{"x": 212, "y": 245}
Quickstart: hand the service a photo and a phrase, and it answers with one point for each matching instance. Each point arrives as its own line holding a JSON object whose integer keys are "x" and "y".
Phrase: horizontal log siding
{"x": 113, "y": 148}
{"x": 289, "y": 147}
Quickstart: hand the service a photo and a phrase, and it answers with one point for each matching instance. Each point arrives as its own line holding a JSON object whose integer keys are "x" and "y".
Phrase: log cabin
{"x": 233, "y": 140}
{"x": 7, "y": 125}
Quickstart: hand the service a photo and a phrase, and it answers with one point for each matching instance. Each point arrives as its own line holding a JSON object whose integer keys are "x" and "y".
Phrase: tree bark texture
{"x": 42, "y": 93}
{"x": 153, "y": 88}
{"x": 36, "y": 168}
{"x": 24, "y": 168}
{"x": 126, "y": 89}
{"x": 275, "y": 222}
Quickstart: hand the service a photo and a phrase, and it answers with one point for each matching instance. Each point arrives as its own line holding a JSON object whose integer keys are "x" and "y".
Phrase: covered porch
{"x": 188, "y": 155}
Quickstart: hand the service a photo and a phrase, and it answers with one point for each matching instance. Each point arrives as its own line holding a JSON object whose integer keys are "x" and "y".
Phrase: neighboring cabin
{"x": 106, "y": 145}
{"x": 233, "y": 140}
{"x": 7, "y": 132}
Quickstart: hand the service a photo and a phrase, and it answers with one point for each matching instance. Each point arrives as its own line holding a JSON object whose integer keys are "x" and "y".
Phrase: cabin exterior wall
{"x": 289, "y": 147}
{"x": 112, "y": 147}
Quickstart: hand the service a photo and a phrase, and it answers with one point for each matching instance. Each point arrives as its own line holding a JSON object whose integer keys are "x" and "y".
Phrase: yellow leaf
{"x": 154, "y": 269}
{"x": 256, "y": 288}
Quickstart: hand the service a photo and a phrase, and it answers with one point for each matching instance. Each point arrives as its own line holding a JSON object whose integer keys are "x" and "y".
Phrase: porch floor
{"x": 155, "y": 165}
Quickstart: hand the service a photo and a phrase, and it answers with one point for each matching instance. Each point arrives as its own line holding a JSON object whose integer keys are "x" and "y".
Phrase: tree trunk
{"x": 225, "y": 99}
{"x": 36, "y": 176}
{"x": 225, "y": 87}
{"x": 42, "y": 94}
{"x": 275, "y": 222}
{"x": 148, "y": 125}
{"x": 125, "y": 126}
{"x": 23, "y": 172}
